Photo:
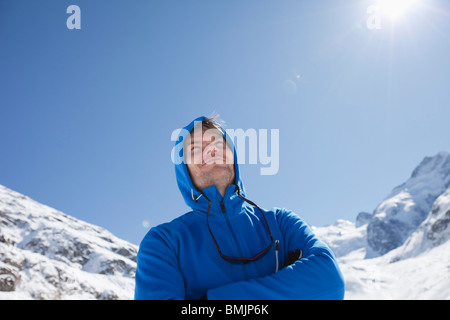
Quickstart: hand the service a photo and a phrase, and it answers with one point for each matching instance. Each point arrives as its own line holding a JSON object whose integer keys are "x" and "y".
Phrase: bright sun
{"x": 395, "y": 8}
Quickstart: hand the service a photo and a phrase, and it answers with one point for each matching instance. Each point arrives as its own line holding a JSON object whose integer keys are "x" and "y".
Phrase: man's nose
{"x": 210, "y": 151}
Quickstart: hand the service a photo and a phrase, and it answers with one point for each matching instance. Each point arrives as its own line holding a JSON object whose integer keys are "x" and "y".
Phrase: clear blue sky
{"x": 86, "y": 115}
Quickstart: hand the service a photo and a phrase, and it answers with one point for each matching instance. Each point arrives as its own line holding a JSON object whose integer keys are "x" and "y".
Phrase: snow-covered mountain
{"x": 46, "y": 254}
{"x": 408, "y": 205}
{"x": 401, "y": 250}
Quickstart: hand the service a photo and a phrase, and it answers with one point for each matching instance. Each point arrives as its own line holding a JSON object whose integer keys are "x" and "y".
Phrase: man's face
{"x": 209, "y": 159}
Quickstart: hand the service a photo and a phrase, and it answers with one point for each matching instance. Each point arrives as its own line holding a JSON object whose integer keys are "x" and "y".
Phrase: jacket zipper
{"x": 277, "y": 244}
{"x": 233, "y": 234}
{"x": 222, "y": 205}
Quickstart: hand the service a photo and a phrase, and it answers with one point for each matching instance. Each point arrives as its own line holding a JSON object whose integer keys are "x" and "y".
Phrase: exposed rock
{"x": 46, "y": 254}
{"x": 362, "y": 218}
{"x": 409, "y": 205}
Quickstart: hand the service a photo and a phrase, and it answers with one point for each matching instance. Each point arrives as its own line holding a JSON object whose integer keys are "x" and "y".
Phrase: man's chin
{"x": 218, "y": 170}
{"x": 214, "y": 165}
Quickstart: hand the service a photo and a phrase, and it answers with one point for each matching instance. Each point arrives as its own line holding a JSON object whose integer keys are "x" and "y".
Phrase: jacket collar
{"x": 231, "y": 203}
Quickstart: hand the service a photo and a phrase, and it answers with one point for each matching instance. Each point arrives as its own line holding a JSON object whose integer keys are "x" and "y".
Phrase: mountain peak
{"x": 408, "y": 205}
{"x": 439, "y": 164}
{"x": 46, "y": 254}
{"x": 401, "y": 251}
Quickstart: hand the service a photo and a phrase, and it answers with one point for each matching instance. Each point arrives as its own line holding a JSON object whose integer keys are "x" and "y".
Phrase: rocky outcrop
{"x": 409, "y": 205}
{"x": 46, "y": 254}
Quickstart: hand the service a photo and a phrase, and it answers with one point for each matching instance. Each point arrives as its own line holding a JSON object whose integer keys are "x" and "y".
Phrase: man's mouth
{"x": 211, "y": 161}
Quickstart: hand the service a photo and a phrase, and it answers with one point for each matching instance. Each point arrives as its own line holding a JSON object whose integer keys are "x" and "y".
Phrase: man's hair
{"x": 213, "y": 122}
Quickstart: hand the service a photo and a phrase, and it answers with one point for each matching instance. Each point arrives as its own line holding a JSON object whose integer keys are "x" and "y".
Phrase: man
{"x": 227, "y": 247}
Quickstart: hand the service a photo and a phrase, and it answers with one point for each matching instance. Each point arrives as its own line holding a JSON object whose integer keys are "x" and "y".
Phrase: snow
{"x": 408, "y": 205}
{"x": 419, "y": 266}
{"x": 395, "y": 275}
{"x": 425, "y": 276}
{"x": 46, "y": 254}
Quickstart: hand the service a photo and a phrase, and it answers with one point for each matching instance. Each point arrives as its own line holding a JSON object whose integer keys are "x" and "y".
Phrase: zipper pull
{"x": 222, "y": 205}
{"x": 277, "y": 244}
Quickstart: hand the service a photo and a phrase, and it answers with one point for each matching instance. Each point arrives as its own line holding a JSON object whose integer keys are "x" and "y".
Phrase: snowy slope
{"x": 411, "y": 229}
{"x": 395, "y": 275}
{"x": 408, "y": 205}
{"x": 400, "y": 251}
{"x": 424, "y": 276}
{"x": 45, "y": 254}
{"x": 433, "y": 231}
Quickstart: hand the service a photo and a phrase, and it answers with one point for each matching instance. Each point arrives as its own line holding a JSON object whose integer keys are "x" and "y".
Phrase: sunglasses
{"x": 241, "y": 260}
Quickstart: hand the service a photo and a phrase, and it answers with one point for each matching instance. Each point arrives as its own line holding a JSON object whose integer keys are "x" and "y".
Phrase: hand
{"x": 292, "y": 257}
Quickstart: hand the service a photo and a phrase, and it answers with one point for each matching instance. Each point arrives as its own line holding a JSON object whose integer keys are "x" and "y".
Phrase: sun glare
{"x": 395, "y": 8}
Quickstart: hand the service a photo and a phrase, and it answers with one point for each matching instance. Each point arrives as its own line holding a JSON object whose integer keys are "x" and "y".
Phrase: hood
{"x": 194, "y": 198}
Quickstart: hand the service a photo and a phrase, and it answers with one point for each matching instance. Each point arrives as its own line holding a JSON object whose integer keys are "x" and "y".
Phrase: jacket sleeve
{"x": 157, "y": 275}
{"x": 315, "y": 276}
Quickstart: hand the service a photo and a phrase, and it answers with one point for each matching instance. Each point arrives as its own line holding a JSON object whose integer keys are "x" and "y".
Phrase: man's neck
{"x": 222, "y": 189}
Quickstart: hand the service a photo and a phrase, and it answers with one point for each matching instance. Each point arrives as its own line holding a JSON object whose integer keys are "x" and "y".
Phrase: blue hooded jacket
{"x": 180, "y": 259}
